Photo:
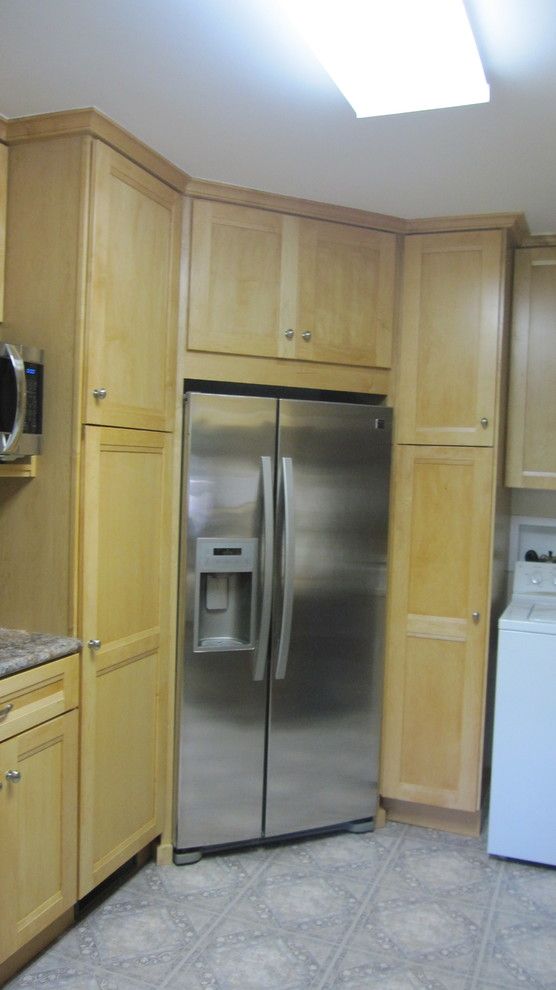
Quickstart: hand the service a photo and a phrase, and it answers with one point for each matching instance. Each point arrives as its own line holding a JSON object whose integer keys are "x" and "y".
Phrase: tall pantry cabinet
{"x": 447, "y": 553}
{"x": 92, "y": 277}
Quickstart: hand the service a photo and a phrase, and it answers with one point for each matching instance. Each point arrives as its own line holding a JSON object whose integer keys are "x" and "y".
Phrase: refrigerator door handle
{"x": 259, "y": 665}
{"x": 289, "y": 569}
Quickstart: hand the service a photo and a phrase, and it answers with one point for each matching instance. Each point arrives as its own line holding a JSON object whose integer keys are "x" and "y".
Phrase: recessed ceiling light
{"x": 394, "y": 56}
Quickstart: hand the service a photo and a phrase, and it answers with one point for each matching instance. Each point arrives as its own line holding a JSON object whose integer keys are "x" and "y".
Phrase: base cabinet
{"x": 126, "y": 552}
{"x": 38, "y": 812}
{"x": 438, "y": 626}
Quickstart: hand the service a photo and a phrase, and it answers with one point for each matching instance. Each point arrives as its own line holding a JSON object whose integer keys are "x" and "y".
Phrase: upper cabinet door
{"x": 235, "y": 301}
{"x": 3, "y": 207}
{"x": 264, "y": 284}
{"x": 450, "y": 338}
{"x": 132, "y": 295}
{"x": 531, "y": 455}
{"x": 345, "y": 295}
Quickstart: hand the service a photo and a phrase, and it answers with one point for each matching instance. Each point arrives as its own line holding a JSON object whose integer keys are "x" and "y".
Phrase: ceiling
{"x": 223, "y": 90}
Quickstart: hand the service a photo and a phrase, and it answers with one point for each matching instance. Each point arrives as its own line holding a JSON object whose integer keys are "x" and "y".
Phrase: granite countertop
{"x": 20, "y": 650}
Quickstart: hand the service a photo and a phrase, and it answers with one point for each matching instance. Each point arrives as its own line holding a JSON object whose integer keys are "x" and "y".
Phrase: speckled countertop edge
{"x": 21, "y": 650}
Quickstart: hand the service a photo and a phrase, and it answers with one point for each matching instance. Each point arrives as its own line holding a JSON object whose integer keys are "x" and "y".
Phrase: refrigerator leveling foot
{"x": 187, "y": 858}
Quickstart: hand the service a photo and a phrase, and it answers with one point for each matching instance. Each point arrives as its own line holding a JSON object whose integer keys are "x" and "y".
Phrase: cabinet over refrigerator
{"x": 282, "y": 588}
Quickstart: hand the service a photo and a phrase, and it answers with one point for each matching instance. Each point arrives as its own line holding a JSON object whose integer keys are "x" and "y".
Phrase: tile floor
{"x": 404, "y": 908}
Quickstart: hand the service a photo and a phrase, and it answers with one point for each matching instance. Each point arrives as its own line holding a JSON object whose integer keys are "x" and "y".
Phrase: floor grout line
{"x": 472, "y": 984}
{"x": 219, "y": 918}
{"x": 364, "y": 904}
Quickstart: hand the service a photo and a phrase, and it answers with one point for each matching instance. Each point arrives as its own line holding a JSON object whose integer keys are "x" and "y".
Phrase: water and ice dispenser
{"x": 225, "y": 594}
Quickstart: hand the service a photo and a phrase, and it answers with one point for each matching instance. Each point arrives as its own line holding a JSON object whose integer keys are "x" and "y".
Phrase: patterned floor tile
{"x": 403, "y": 908}
{"x": 59, "y": 973}
{"x": 440, "y": 869}
{"x": 421, "y": 930}
{"x": 244, "y": 958}
{"x": 315, "y": 904}
{"x": 345, "y": 853}
{"x": 360, "y": 971}
{"x": 529, "y": 888}
{"x": 521, "y": 952}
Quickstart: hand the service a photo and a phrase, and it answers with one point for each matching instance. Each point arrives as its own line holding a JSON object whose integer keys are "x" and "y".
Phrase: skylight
{"x": 394, "y": 56}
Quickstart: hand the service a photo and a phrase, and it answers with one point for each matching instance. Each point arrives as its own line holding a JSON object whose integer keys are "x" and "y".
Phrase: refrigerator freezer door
{"x": 223, "y": 696}
{"x": 324, "y": 714}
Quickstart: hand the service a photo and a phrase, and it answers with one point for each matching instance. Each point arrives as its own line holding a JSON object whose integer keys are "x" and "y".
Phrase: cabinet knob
{"x": 100, "y": 393}
{"x": 5, "y": 711}
{"x": 475, "y": 616}
{"x": 484, "y": 422}
{"x": 288, "y": 334}
{"x": 14, "y": 776}
{"x": 306, "y": 335}
{"x": 94, "y": 644}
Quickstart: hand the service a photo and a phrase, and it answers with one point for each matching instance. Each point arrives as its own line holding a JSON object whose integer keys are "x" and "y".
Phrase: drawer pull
{"x": 5, "y": 711}
{"x": 94, "y": 644}
{"x": 14, "y": 776}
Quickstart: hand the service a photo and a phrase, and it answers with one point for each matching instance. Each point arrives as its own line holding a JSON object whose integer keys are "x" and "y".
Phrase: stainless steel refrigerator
{"x": 282, "y": 594}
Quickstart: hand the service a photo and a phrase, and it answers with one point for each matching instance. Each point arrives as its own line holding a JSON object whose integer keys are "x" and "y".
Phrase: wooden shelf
{"x": 26, "y": 467}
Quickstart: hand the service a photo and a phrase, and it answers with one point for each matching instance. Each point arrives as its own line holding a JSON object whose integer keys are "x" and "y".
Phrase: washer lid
{"x": 543, "y": 613}
{"x": 529, "y": 616}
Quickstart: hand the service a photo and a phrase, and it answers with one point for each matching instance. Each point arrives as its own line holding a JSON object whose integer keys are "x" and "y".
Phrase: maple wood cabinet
{"x": 438, "y": 625}
{"x": 449, "y": 525}
{"x": 3, "y": 207}
{"x": 531, "y": 447}
{"x": 131, "y": 297}
{"x": 451, "y": 310}
{"x": 126, "y": 544}
{"x": 38, "y": 800}
{"x": 92, "y": 277}
{"x": 270, "y": 285}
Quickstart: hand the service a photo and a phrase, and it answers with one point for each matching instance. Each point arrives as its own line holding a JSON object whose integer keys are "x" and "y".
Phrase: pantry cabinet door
{"x": 345, "y": 294}
{"x": 132, "y": 295}
{"x": 451, "y": 324}
{"x": 238, "y": 303}
{"x": 124, "y": 622}
{"x": 38, "y": 830}
{"x": 438, "y": 621}
{"x": 531, "y": 451}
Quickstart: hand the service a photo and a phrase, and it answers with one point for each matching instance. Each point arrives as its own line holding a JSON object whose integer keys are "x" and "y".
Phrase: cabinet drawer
{"x": 38, "y": 694}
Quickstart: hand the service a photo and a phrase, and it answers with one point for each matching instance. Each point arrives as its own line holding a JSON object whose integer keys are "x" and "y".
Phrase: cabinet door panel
{"x": 38, "y": 829}
{"x": 236, "y": 304}
{"x": 126, "y": 547}
{"x": 3, "y": 208}
{"x": 345, "y": 294}
{"x": 132, "y": 298}
{"x": 451, "y": 313}
{"x": 531, "y": 461}
{"x": 436, "y": 653}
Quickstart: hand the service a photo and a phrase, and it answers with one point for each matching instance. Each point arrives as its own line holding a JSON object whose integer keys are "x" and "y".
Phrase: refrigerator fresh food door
{"x": 332, "y": 512}
{"x": 225, "y": 597}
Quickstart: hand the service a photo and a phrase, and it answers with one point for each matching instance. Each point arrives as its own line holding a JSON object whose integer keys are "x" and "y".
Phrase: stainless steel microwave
{"x": 21, "y": 397}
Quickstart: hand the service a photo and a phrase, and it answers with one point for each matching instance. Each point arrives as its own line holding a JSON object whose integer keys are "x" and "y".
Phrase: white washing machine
{"x": 522, "y": 818}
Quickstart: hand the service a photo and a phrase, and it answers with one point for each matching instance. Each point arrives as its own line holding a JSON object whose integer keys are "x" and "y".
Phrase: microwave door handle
{"x": 289, "y": 569}
{"x": 9, "y": 442}
{"x": 259, "y": 665}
